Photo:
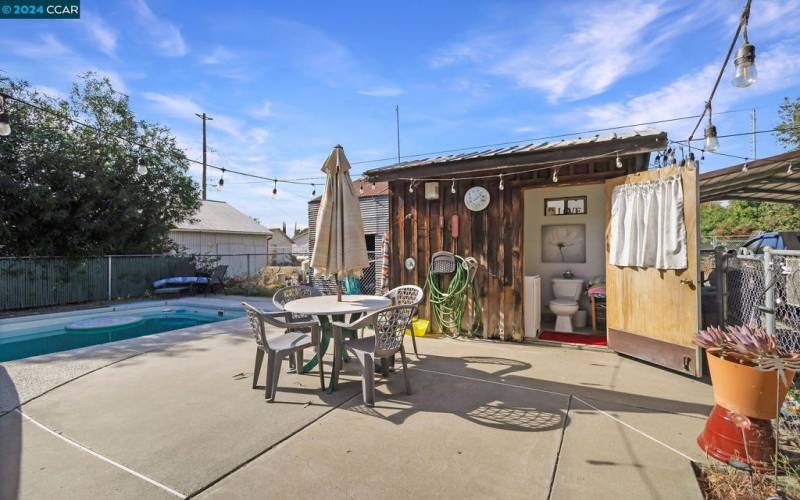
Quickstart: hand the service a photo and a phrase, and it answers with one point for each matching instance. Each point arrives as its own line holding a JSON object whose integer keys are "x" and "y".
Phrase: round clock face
{"x": 410, "y": 263}
{"x": 476, "y": 198}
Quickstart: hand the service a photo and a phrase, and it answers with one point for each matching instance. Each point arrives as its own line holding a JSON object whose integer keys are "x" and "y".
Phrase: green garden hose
{"x": 449, "y": 306}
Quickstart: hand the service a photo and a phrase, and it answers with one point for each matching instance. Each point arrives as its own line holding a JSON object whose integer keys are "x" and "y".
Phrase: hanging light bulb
{"x": 453, "y": 187}
{"x": 221, "y": 181}
{"x": 671, "y": 157}
{"x": 5, "y": 123}
{"x": 275, "y": 188}
{"x": 789, "y": 169}
{"x": 712, "y": 143}
{"x": 692, "y": 163}
{"x": 361, "y": 188}
{"x": 744, "y": 167}
{"x": 141, "y": 167}
{"x": 619, "y": 162}
{"x": 745, "y": 73}
{"x": 501, "y": 183}
{"x": 411, "y": 186}
{"x": 313, "y": 190}
{"x": 373, "y": 185}
{"x": 555, "y": 175}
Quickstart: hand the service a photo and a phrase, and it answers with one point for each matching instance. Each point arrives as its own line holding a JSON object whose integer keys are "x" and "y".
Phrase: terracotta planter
{"x": 745, "y": 390}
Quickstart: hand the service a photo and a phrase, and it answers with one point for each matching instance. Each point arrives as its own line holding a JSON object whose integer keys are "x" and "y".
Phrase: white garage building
{"x": 219, "y": 229}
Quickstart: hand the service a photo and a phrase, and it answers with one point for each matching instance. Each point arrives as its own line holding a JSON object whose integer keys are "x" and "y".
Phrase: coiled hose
{"x": 449, "y": 306}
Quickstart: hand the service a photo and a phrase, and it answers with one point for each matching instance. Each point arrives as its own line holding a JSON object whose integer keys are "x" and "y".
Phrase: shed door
{"x": 654, "y": 314}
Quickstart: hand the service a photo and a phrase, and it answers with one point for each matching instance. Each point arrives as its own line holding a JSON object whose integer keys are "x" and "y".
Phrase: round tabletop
{"x": 327, "y": 305}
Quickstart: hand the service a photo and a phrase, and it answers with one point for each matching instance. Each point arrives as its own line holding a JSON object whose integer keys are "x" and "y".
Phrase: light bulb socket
{"x": 746, "y": 54}
{"x": 711, "y": 131}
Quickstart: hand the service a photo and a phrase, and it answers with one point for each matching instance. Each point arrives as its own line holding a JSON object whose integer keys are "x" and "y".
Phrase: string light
{"x": 314, "y": 190}
{"x": 789, "y": 169}
{"x": 744, "y": 167}
{"x": 501, "y": 182}
{"x": 141, "y": 167}
{"x": 453, "y": 187}
{"x": 745, "y": 73}
{"x": 619, "y": 162}
{"x": 712, "y": 143}
{"x": 411, "y": 186}
{"x": 5, "y": 122}
{"x": 671, "y": 157}
{"x": 373, "y": 185}
{"x": 555, "y": 175}
{"x": 692, "y": 162}
{"x": 361, "y": 187}
{"x": 275, "y": 188}
{"x": 221, "y": 181}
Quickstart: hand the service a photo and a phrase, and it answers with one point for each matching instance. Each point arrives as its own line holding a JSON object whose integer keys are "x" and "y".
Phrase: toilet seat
{"x": 563, "y": 302}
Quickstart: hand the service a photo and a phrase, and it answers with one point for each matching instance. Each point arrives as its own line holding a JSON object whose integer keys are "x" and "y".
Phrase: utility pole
{"x": 753, "y": 131}
{"x": 205, "y": 118}
{"x": 397, "y": 115}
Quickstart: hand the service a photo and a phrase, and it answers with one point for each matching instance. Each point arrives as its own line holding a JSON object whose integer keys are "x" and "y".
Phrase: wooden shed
{"x": 506, "y": 236}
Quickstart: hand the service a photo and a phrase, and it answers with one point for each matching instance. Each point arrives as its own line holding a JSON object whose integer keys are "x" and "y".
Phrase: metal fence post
{"x": 109, "y": 278}
{"x": 719, "y": 285}
{"x": 770, "y": 281}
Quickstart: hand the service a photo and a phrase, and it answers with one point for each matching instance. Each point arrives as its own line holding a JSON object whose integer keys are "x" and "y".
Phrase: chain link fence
{"x": 763, "y": 291}
{"x": 34, "y": 282}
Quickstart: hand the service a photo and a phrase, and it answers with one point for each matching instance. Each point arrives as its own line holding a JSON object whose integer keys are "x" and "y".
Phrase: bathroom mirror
{"x": 568, "y": 205}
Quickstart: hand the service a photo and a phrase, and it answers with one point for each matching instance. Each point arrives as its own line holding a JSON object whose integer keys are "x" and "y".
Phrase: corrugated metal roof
{"x": 513, "y": 150}
{"x": 219, "y": 217}
{"x": 767, "y": 179}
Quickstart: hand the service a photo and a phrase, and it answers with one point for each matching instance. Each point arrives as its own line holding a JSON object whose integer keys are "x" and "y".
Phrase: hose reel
{"x": 460, "y": 297}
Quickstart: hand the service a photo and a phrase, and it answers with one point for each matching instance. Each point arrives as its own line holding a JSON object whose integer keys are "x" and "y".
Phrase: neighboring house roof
{"x": 219, "y": 217}
{"x": 278, "y": 234}
{"x": 628, "y": 143}
{"x": 381, "y": 189}
{"x": 302, "y": 237}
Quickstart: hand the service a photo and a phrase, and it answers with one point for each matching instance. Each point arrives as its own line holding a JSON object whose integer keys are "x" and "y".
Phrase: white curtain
{"x": 647, "y": 227}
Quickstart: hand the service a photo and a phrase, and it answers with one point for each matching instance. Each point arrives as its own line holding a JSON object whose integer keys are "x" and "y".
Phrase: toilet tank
{"x": 567, "y": 289}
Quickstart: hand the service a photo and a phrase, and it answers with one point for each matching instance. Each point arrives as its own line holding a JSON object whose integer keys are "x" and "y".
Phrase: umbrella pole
{"x": 338, "y": 290}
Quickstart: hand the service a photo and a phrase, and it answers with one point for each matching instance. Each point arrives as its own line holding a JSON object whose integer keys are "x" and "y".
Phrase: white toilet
{"x": 565, "y": 304}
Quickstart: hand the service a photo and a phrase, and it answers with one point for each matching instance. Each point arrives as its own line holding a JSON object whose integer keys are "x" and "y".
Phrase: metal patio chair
{"x": 280, "y": 346}
{"x": 288, "y": 294}
{"x": 407, "y": 295}
{"x": 390, "y": 326}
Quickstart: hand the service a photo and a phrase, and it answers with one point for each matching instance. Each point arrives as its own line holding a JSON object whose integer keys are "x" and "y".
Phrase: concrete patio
{"x": 174, "y": 415}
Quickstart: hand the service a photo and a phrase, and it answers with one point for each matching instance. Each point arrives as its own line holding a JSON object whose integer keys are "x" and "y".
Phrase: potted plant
{"x": 750, "y": 376}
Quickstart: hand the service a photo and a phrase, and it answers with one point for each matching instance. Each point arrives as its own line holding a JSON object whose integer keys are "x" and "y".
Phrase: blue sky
{"x": 285, "y": 81}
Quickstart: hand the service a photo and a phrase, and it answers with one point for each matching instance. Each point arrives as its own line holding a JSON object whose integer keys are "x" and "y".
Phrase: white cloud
{"x": 604, "y": 44}
{"x": 218, "y": 56}
{"x": 50, "y": 91}
{"x": 259, "y": 135}
{"x": 778, "y": 68}
{"x": 100, "y": 32}
{"x": 166, "y": 35}
{"x": 45, "y": 47}
{"x": 384, "y": 91}
{"x": 263, "y": 111}
{"x": 184, "y": 107}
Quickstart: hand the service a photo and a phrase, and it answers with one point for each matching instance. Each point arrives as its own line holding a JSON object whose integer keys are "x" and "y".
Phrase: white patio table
{"x": 327, "y": 309}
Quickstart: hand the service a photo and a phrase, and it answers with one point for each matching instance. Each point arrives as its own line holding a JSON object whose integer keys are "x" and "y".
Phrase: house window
{"x": 569, "y": 205}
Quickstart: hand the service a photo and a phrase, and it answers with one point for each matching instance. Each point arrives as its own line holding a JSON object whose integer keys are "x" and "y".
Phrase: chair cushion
{"x": 291, "y": 340}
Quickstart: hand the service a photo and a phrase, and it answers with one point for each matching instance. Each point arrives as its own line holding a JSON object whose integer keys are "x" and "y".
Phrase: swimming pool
{"x": 34, "y": 335}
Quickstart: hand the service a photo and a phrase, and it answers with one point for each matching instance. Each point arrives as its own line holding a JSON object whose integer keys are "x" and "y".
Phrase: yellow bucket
{"x": 420, "y": 327}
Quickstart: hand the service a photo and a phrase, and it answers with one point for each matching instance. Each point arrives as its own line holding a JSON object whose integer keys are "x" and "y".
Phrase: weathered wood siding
{"x": 421, "y": 227}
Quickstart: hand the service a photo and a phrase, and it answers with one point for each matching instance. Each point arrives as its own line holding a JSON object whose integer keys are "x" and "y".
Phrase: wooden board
{"x": 659, "y": 305}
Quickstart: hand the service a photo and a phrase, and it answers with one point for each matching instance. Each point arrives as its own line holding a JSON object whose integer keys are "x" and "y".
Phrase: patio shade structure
{"x": 776, "y": 178}
{"x": 340, "y": 248}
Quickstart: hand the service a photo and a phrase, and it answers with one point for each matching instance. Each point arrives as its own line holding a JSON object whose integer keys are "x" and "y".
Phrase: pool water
{"x": 35, "y": 335}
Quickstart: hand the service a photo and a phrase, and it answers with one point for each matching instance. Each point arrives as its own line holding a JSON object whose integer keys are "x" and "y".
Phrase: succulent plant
{"x": 741, "y": 342}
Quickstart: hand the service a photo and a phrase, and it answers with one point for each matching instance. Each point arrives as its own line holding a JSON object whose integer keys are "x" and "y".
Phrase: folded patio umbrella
{"x": 340, "y": 248}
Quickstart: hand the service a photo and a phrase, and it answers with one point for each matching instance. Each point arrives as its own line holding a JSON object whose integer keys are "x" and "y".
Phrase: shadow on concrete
{"x": 10, "y": 439}
{"x": 499, "y": 404}
{"x": 496, "y": 407}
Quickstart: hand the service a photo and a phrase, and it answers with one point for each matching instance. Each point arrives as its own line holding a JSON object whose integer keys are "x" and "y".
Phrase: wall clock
{"x": 476, "y": 198}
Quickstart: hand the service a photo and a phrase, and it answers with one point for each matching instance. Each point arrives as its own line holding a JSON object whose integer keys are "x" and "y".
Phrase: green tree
{"x": 788, "y": 130}
{"x": 67, "y": 189}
